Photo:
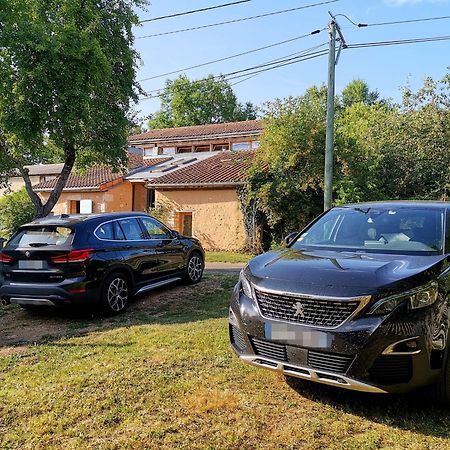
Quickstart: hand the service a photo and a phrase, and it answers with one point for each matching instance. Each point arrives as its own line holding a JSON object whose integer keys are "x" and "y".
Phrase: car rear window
{"x": 42, "y": 237}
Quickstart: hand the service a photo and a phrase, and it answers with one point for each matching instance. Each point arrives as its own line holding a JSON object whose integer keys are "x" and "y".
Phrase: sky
{"x": 386, "y": 69}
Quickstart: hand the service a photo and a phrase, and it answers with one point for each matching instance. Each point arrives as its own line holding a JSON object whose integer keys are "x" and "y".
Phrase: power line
{"x": 396, "y": 22}
{"x": 399, "y": 42}
{"x": 255, "y": 70}
{"x": 265, "y": 64}
{"x": 194, "y": 11}
{"x": 232, "y": 56}
{"x": 239, "y": 20}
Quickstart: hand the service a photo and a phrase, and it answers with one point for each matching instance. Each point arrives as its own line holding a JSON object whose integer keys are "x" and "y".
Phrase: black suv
{"x": 95, "y": 260}
{"x": 359, "y": 300}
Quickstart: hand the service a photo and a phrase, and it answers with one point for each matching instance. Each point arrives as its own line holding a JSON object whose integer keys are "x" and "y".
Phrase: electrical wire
{"x": 193, "y": 11}
{"x": 232, "y": 56}
{"x": 250, "y": 72}
{"x": 399, "y": 42}
{"x": 238, "y": 20}
{"x": 396, "y": 22}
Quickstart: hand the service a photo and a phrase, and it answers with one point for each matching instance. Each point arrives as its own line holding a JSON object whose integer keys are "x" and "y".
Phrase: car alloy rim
{"x": 195, "y": 268}
{"x": 117, "y": 294}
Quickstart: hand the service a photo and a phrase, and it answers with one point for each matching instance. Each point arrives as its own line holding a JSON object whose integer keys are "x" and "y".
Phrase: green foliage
{"x": 15, "y": 210}
{"x": 382, "y": 151}
{"x": 161, "y": 212}
{"x": 287, "y": 175}
{"x": 67, "y": 74}
{"x": 212, "y": 100}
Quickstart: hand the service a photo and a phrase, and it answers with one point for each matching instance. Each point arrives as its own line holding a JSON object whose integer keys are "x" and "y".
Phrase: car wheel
{"x": 115, "y": 294}
{"x": 194, "y": 268}
{"x": 442, "y": 387}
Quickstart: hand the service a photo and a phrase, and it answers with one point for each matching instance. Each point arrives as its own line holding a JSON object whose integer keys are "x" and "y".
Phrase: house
{"x": 38, "y": 173}
{"x": 202, "y": 200}
{"x": 193, "y": 173}
{"x": 100, "y": 189}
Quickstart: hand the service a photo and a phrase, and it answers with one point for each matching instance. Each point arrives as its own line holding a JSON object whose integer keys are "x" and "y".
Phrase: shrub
{"x": 15, "y": 210}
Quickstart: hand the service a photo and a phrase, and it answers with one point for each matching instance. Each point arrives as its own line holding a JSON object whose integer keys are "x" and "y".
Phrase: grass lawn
{"x": 163, "y": 376}
{"x": 228, "y": 257}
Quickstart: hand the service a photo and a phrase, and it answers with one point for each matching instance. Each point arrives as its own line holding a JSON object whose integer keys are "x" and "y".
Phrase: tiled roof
{"x": 248, "y": 127}
{"x": 135, "y": 161}
{"x": 223, "y": 168}
{"x": 98, "y": 176}
{"x": 93, "y": 178}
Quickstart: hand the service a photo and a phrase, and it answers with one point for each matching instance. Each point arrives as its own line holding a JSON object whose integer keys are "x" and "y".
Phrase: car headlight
{"x": 246, "y": 287}
{"x": 417, "y": 298}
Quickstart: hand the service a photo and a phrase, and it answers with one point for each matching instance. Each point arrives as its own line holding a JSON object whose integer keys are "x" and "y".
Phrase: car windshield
{"x": 42, "y": 237}
{"x": 377, "y": 229}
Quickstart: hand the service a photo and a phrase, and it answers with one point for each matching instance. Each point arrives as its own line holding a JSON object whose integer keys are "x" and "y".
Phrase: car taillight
{"x": 73, "y": 256}
{"x": 5, "y": 258}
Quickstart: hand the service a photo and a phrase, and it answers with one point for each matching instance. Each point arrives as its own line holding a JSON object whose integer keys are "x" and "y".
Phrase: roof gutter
{"x": 203, "y": 137}
{"x": 193, "y": 185}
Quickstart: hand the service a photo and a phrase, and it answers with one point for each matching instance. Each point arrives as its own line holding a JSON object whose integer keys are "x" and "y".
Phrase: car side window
{"x": 105, "y": 231}
{"x": 154, "y": 229}
{"x": 131, "y": 229}
{"x": 118, "y": 233}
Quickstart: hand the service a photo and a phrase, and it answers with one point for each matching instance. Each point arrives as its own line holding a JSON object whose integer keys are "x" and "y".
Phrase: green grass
{"x": 166, "y": 378}
{"x": 228, "y": 257}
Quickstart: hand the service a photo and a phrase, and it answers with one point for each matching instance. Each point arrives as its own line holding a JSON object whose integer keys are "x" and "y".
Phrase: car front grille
{"x": 305, "y": 311}
{"x": 237, "y": 338}
{"x": 269, "y": 349}
{"x": 391, "y": 369}
{"x": 329, "y": 362}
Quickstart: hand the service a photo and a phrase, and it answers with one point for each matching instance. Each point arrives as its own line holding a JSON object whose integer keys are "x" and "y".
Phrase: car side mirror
{"x": 290, "y": 238}
{"x": 175, "y": 234}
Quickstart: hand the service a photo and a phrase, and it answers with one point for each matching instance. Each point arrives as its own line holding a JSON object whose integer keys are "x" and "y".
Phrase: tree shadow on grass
{"x": 416, "y": 411}
{"x": 171, "y": 305}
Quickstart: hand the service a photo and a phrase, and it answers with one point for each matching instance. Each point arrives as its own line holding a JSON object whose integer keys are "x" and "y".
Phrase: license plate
{"x": 292, "y": 333}
{"x": 36, "y": 265}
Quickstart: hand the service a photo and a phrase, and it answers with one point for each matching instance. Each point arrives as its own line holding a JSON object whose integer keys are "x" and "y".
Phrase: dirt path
{"x": 20, "y": 328}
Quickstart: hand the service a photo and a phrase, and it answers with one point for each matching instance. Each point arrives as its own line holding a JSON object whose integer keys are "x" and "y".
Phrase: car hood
{"x": 342, "y": 273}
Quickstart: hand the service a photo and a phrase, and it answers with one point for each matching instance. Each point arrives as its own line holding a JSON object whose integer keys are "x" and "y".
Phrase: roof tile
{"x": 251, "y": 126}
{"x": 223, "y": 168}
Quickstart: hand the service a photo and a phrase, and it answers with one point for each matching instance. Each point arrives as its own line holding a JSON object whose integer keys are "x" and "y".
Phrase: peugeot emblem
{"x": 299, "y": 310}
{"x": 27, "y": 254}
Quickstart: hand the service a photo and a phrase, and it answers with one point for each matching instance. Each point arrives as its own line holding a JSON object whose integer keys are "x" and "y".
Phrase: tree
{"x": 358, "y": 91}
{"x": 287, "y": 175}
{"x": 67, "y": 74}
{"x": 15, "y": 210}
{"x": 199, "y": 102}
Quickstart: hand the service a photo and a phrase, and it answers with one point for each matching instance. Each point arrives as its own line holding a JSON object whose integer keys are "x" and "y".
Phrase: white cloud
{"x": 411, "y": 2}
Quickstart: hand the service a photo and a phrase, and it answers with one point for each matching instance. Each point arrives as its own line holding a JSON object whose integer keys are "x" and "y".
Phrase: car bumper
{"x": 352, "y": 356}
{"x": 70, "y": 292}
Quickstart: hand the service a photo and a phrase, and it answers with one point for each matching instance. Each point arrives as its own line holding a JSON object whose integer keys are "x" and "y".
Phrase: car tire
{"x": 194, "y": 268}
{"x": 442, "y": 387}
{"x": 115, "y": 294}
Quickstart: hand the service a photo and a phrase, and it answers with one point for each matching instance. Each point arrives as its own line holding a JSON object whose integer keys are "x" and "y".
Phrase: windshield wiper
{"x": 39, "y": 244}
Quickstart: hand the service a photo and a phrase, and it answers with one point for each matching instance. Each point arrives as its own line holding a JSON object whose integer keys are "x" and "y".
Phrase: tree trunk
{"x": 60, "y": 184}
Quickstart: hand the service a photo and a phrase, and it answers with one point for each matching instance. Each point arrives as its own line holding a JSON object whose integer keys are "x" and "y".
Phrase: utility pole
{"x": 333, "y": 28}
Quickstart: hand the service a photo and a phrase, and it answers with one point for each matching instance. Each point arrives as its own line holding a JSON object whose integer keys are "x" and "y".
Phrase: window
{"x": 237, "y": 146}
{"x": 184, "y": 149}
{"x": 150, "y": 198}
{"x": 202, "y": 148}
{"x": 131, "y": 229}
{"x": 74, "y": 207}
{"x": 105, "y": 231}
{"x": 154, "y": 229}
{"x": 221, "y": 147}
{"x": 118, "y": 233}
{"x": 43, "y": 237}
{"x": 377, "y": 229}
{"x": 183, "y": 222}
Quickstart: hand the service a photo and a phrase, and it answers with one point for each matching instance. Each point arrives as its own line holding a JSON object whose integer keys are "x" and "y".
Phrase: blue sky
{"x": 386, "y": 69}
